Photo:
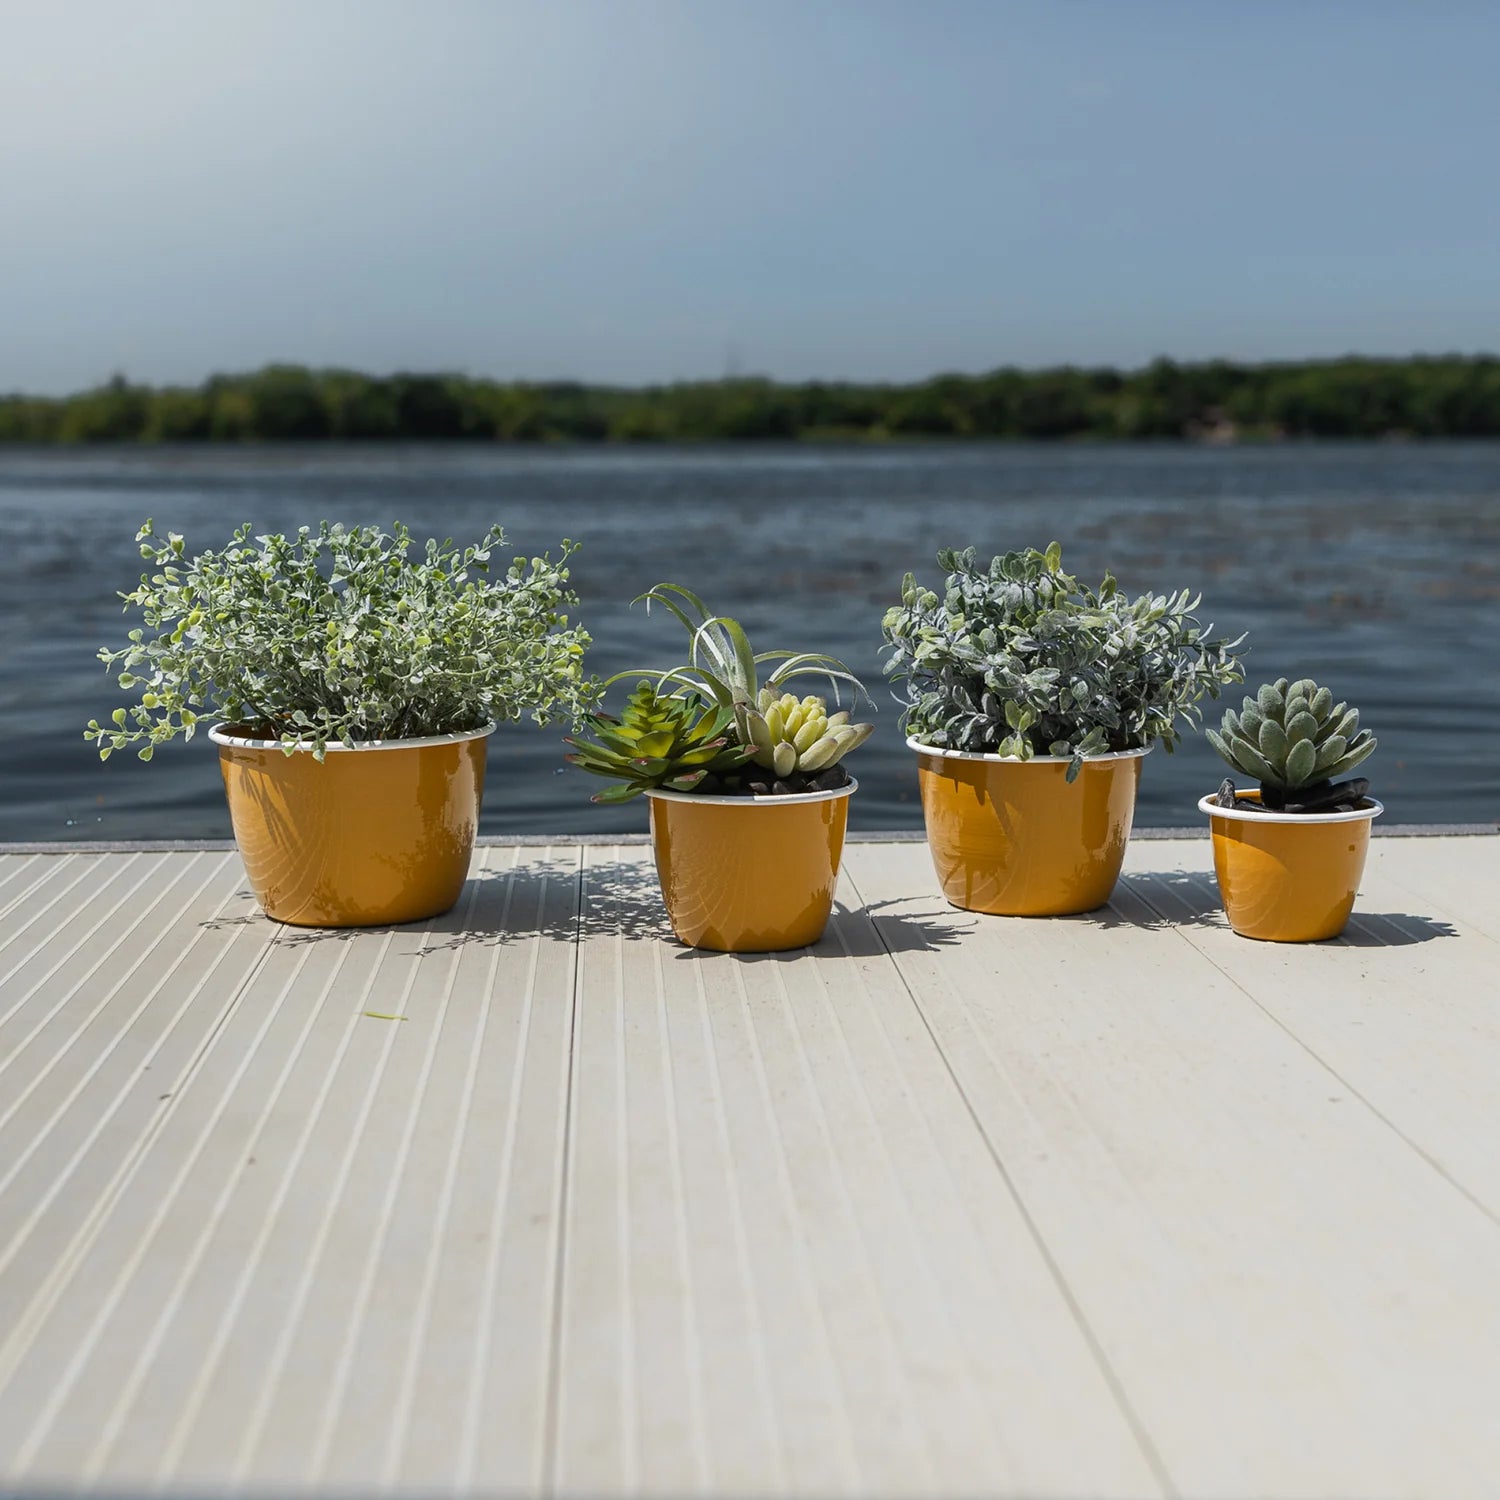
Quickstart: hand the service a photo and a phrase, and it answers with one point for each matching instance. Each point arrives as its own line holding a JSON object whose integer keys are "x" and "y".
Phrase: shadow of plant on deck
{"x": 1388, "y": 929}
{"x": 1192, "y": 900}
{"x": 890, "y": 927}
{"x": 561, "y": 901}
{"x": 625, "y": 901}
{"x": 621, "y": 899}
{"x": 538, "y": 899}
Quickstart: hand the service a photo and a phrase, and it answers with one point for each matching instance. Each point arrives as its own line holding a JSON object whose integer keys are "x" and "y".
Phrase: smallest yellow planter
{"x": 749, "y": 874}
{"x": 1289, "y": 877}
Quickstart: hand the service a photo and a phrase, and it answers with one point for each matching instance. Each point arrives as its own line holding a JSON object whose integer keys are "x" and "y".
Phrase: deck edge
{"x": 606, "y": 841}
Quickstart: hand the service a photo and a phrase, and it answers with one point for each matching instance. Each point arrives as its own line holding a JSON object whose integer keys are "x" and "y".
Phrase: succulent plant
{"x": 769, "y": 742}
{"x": 1294, "y": 739}
{"x": 792, "y": 734}
{"x": 669, "y": 741}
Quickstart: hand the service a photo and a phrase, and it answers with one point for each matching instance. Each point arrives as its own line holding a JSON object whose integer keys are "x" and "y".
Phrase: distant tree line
{"x": 1449, "y": 396}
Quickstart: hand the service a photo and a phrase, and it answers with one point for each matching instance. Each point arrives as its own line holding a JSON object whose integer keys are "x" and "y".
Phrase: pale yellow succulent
{"x": 799, "y": 734}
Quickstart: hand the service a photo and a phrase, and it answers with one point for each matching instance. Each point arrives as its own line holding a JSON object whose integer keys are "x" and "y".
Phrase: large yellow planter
{"x": 749, "y": 874}
{"x": 1017, "y": 838}
{"x": 376, "y": 834}
{"x": 1289, "y": 877}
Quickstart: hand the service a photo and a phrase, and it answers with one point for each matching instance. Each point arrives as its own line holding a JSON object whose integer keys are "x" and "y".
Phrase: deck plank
{"x": 1295, "y": 1301}
{"x": 791, "y": 1265}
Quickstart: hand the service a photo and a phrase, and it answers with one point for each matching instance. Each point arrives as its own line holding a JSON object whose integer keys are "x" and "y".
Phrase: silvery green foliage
{"x": 340, "y": 635}
{"x": 1292, "y": 736}
{"x": 1016, "y": 658}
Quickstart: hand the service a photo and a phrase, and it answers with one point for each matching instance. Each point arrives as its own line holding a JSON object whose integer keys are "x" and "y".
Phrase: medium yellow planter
{"x": 1016, "y": 838}
{"x": 749, "y": 874}
{"x": 376, "y": 834}
{"x": 1289, "y": 877}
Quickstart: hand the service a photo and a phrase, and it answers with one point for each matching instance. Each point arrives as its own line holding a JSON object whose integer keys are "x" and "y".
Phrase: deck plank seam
{"x": 400, "y": 1423}
{"x": 1111, "y": 1377}
{"x": 374, "y": 1258}
{"x": 552, "y": 1411}
{"x": 702, "y": 1463}
{"x": 744, "y": 1261}
{"x": 866, "y": 1263}
{"x": 911, "y": 1097}
{"x": 468, "y": 1443}
{"x": 920, "y": 1251}
{"x": 1491, "y": 1214}
{"x": 628, "y": 1393}
{"x": 805, "y": 1274}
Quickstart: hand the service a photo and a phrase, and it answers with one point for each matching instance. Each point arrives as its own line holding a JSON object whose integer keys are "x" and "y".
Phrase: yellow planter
{"x": 1289, "y": 877}
{"x": 373, "y": 835}
{"x": 749, "y": 874}
{"x": 1016, "y": 838}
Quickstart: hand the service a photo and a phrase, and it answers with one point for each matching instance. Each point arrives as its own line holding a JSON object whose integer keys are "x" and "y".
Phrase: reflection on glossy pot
{"x": 749, "y": 874}
{"x": 1017, "y": 838}
{"x": 1289, "y": 877}
{"x": 373, "y": 835}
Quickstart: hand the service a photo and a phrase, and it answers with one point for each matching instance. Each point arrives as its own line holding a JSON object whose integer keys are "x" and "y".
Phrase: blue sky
{"x": 635, "y": 190}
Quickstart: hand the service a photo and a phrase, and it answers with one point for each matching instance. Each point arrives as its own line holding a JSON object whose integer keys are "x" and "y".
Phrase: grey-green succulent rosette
{"x": 1294, "y": 740}
{"x": 1016, "y": 658}
{"x": 713, "y": 726}
{"x": 340, "y": 635}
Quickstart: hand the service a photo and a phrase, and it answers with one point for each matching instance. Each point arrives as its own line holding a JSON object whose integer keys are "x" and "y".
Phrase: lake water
{"x": 1374, "y": 568}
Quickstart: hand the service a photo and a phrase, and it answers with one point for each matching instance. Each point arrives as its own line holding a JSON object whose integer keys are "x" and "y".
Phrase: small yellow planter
{"x": 1289, "y": 877}
{"x": 1015, "y": 838}
{"x": 749, "y": 874}
{"x": 373, "y": 835}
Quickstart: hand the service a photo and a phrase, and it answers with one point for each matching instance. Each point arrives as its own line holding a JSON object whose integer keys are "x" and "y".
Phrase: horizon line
{"x": 119, "y": 377}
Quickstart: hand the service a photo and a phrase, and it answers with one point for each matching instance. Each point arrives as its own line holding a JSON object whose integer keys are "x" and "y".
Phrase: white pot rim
{"x": 793, "y": 799}
{"x": 1372, "y": 809}
{"x": 218, "y": 735}
{"x": 921, "y": 746}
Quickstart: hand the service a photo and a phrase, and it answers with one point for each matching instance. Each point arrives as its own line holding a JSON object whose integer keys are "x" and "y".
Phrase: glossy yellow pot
{"x": 749, "y": 874}
{"x": 376, "y": 834}
{"x": 1016, "y": 838}
{"x": 1289, "y": 877}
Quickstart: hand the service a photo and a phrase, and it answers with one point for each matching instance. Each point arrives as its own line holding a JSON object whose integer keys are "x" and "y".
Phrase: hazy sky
{"x": 644, "y": 189}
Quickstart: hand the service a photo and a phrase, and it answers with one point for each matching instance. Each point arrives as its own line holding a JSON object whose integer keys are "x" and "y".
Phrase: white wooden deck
{"x": 532, "y": 1200}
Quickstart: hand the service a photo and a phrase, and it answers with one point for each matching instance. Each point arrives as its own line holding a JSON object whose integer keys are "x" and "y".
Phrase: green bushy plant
{"x": 341, "y": 635}
{"x": 1017, "y": 658}
{"x": 1294, "y": 739}
{"x": 766, "y": 742}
